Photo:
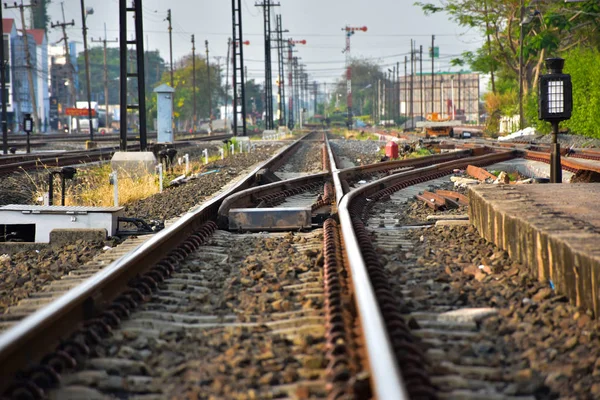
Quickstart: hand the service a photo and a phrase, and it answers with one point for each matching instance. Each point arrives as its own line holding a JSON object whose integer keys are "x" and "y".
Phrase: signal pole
{"x": 22, "y": 7}
{"x": 349, "y": 32}
{"x": 68, "y": 63}
{"x": 292, "y": 105}
{"x": 105, "y": 74}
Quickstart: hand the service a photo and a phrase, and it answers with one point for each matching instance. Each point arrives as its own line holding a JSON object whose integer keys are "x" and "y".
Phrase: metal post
{"x": 50, "y": 188}
{"x": 141, "y": 73}
{"x": 555, "y": 163}
{"x": 87, "y": 69}
{"x": 62, "y": 189}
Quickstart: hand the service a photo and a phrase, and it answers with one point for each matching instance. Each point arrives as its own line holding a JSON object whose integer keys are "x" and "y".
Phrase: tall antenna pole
{"x": 349, "y": 32}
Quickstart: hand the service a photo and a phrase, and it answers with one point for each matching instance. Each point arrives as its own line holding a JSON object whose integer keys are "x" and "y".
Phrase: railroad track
{"x": 201, "y": 309}
{"x": 9, "y": 164}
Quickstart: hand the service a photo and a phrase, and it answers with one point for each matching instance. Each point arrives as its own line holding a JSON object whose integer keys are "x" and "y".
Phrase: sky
{"x": 391, "y": 25}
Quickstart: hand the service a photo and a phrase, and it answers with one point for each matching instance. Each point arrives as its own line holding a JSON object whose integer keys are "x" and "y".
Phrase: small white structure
{"x": 164, "y": 118}
{"x": 44, "y": 219}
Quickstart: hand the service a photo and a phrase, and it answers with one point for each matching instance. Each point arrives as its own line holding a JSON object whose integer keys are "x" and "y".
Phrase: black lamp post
{"x": 555, "y": 103}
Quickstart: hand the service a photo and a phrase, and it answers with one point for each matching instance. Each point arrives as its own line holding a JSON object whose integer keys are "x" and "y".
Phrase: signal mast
{"x": 349, "y": 32}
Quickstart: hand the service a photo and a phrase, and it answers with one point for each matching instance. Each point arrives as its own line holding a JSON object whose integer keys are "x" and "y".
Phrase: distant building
{"x": 18, "y": 97}
{"x": 9, "y": 34}
{"x": 454, "y": 95}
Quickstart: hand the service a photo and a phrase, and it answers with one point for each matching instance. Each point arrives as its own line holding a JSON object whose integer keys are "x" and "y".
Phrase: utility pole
{"x": 266, "y": 5}
{"x": 170, "y": 46}
{"x": 291, "y": 78}
{"x": 432, "y": 71}
{"x": 349, "y": 32}
{"x": 281, "y": 71}
{"x": 68, "y": 64}
{"x": 193, "y": 84}
{"x": 105, "y": 41}
{"x": 227, "y": 85}
{"x": 210, "y": 114}
{"x": 22, "y": 7}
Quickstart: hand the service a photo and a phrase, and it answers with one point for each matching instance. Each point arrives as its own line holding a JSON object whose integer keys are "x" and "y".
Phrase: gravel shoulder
{"x": 545, "y": 346}
{"x": 27, "y": 272}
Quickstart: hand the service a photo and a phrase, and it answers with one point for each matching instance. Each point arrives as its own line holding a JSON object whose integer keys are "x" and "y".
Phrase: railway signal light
{"x": 555, "y": 104}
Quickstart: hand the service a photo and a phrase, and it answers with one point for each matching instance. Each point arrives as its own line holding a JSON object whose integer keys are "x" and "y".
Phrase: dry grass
{"x": 91, "y": 186}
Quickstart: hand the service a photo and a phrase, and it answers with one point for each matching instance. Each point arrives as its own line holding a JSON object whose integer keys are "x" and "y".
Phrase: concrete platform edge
{"x": 548, "y": 252}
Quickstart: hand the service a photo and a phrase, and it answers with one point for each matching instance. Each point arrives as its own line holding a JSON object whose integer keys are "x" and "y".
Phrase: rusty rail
{"x": 104, "y": 298}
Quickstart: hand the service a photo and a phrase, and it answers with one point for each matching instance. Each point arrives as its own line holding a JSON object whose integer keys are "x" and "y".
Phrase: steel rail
{"x": 31, "y": 338}
{"x": 245, "y": 198}
{"x": 387, "y": 381}
{"x": 59, "y": 159}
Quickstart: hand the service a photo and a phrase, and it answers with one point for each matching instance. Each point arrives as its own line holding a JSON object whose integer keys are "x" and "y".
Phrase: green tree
{"x": 40, "y": 15}
{"x": 550, "y": 28}
{"x": 365, "y": 78}
{"x": 183, "y": 99}
{"x": 154, "y": 68}
{"x": 581, "y": 63}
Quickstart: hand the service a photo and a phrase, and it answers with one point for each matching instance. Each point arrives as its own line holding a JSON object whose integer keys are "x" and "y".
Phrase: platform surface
{"x": 553, "y": 229}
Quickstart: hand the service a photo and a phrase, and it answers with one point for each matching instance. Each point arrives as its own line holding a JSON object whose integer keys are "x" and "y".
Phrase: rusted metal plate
{"x": 270, "y": 219}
